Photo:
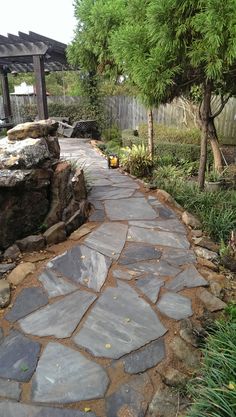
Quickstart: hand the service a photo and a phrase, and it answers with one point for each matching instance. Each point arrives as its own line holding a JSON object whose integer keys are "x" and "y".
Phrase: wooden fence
{"x": 128, "y": 113}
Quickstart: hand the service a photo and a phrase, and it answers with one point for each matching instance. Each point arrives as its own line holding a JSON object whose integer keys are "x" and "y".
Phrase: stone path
{"x": 89, "y": 339}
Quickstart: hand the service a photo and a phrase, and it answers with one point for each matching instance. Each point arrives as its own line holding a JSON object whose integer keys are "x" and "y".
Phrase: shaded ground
{"x": 95, "y": 329}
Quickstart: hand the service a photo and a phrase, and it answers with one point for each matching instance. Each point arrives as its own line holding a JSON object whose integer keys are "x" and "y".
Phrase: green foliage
{"x": 213, "y": 176}
{"x": 214, "y": 390}
{"x": 137, "y": 161}
{"x": 163, "y": 133}
{"x": 112, "y": 133}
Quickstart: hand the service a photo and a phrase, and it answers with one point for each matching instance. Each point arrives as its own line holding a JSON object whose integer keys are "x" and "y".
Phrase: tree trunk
{"x": 205, "y": 115}
{"x": 150, "y": 133}
{"x": 218, "y": 163}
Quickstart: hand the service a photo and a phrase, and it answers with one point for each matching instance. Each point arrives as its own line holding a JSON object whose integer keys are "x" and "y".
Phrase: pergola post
{"x": 5, "y": 94}
{"x": 38, "y": 61}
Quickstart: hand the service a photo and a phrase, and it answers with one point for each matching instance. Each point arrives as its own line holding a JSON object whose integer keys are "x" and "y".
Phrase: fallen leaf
{"x": 108, "y": 346}
{"x": 87, "y": 409}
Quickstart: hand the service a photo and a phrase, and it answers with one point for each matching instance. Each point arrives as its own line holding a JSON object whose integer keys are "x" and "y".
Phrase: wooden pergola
{"x": 30, "y": 53}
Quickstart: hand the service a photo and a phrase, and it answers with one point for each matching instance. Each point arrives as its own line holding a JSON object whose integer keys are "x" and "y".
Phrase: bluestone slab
{"x": 64, "y": 376}
{"x": 145, "y": 358}
{"x": 12, "y": 409}
{"x": 135, "y": 252}
{"x": 189, "y": 278}
{"x": 18, "y": 357}
{"x": 170, "y": 225}
{"x": 119, "y": 323}
{"x": 129, "y": 208}
{"x": 175, "y": 306}
{"x": 175, "y": 240}
{"x": 150, "y": 286}
{"x": 110, "y": 193}
{"x": 55, "y": 285}
{"x": 83, "y": 265}
{"x": 60, "y": 318}
{"x": 178, "y": 257}
{"x": 108, "y": 239}
{"x": 10, "y": 389}
{"x": 29, "y": 299}
{"x": 159, "y": 268}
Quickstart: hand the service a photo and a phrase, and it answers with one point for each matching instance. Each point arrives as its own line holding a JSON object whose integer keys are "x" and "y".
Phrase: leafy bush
{"x": 214, "y": 391}
{"x": 163, "y": 133}
{"x": 137, "y": 160}
{"x": 178, "y": 151}
{"x": 112, "y": 134}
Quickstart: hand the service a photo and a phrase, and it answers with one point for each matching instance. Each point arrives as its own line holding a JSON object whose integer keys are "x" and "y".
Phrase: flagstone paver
{"x": 114, "y": 287}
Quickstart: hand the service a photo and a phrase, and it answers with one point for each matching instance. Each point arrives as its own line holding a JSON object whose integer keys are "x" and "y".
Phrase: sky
{"x": 51, "y": 18}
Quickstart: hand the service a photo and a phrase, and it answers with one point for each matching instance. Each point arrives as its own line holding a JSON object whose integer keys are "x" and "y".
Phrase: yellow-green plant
{"x": 137, "y": 160}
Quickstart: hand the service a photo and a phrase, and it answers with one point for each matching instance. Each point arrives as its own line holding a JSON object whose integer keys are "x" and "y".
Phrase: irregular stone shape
{"x": 170, "y": 225}
{"x": 129, "y": 399}
{"x": 10, "y": 389}
{"x": 167, "y": 198}
{"x": 12, "y": 409}
{"x": 207, "y": 264}
{"x": 32, "y": 130}
{"x": 174, "y": 378}
{"x": 159, "y": 268}
{"x": 21, "y": 272}
{"x": 145, "y": 358}
{"x": 1, "y": 335}
{"x": 178, "y": 257}
{"x": 162, "y": 210}
{"x": 139, "y": 234}
{"x": 196, "y": 233}
{"x": 97, "y": 216}
{"x": 150, "y": 286}
{"x": 5, "y": 293}
{"x": 29, "y": 299}
{"x": 75, "y": 221}
{"x": 55, "y": 234}
{"x": 78, "y": 185}
{"x": 125, "y": 274}
{"x": 110, "y": 193}
{"x": 64, "y": 376}
{"x": 187, "y": 333}
{"x": 31, "y": 243}
{"x": 55, "y": 285}
{"x": 108, "y": 239}
{"x": 129, "y": 208}
{"x": 131, "y": 324}
{"x": 83, "y": 265}
{"x": 191, "y": 220}
{"x": 175, "y": 306}
{"x": 135, "y": 252}
{"x": 216, "y": 289}
{"x": 12, "y": 178}
{"x": 205, "y": 253}
{"x": 211, "y": 302}
{"x": 182, "y": 351}
{"x": 4, "y": 268}
{"x": 206, "y": 243}
{"x": 189, "y": 278}
{"x": 26, "y": 154}
{"x": 60, "y": 318}
{"x": 18, "y": 357}
{"x": 12, "y": 253}
{"x": 82, "y": 231}
{"x": 167, "y": 403}
{"x": 53, "y": 147}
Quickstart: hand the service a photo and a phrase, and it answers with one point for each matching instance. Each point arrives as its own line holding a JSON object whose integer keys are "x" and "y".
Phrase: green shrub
{"x": 137, "y": 160}
{"x": 163, "y": 133}
{"x": 112, "y": 134}
{"x": 214, "y": 390}
{"x": 178, "y": 151}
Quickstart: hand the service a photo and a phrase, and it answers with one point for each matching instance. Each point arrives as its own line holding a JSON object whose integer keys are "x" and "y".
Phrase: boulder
{"x": 21, "y": 272}
{"x": 82, "y": 231}
{"x": 4, "y": 293}
{"x": 207, "y": 264}
{"x": 53, "y": 147}
{"x": 191, "y": 220}
{"x": 31, "y": 243}
{"x": 205, "y": 253}
{"x": 166, "y": 403}
{"x": 32, "y": 130}
{"x": 75, "y": 221}
{"x": 165, "y": 197}
{"x": 26, "y": 154}
{"x": 206, "y": 243}
{"x": 4, "y": 268}
{"x": 78, "y": 185}
{"x": 173, "y": 377}
{"x": 211, "y": 302}
{"x": 13, "y": 252}
{"x": 189, "y": 357}
{"x": 55, "y": 234}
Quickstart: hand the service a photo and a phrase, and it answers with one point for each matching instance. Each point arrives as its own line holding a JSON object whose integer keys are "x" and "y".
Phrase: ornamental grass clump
{"x": 137, "y": 160}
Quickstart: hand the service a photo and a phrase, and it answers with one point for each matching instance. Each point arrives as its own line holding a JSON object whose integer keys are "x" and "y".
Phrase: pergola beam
{"x": 11, "y": 50}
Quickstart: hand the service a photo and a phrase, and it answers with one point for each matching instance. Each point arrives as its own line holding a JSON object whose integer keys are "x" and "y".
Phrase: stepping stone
{"x": 139, "y": 234}
{"x": 60, "y": 318}
{"x": 129, "y": 208}
{"x": 170, "y": 225}
{"x": 157, "y": 268}
{"x": 55, "y": 285}
{"x": 129, "y": 400}
{"x": 18, "y": 357}
{"x": 65, "y": 376}
{"x": 12, "y": 409}
{"x": 125, "y": 274}
{"x": 178, "y": 257}
{"x": 175, "y": 306}
{"x": 29, "y": 299}
{"x": 189, "y": 278}
{"x": 135, "y": 252}
{"x": 10, "y": 389}
{"x": 108, "y": 239}
{"x": 83, "y": 266}
{"x": 119, "y": 323}
{"x": 211, "y": 302}
{"x": 150, "y": 286}
{"x": 97, "y": 216}
{"x": 110, "y": 193}
{"x": 164, "y": 211}
{"x": 145, "y": 358}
